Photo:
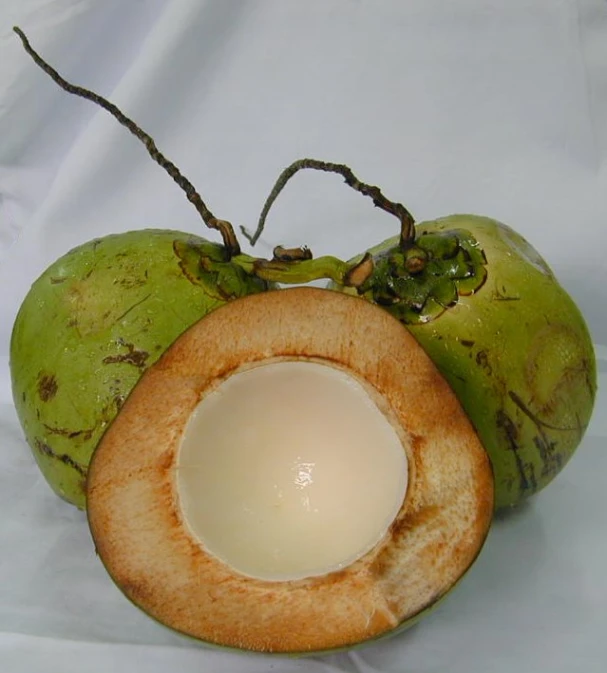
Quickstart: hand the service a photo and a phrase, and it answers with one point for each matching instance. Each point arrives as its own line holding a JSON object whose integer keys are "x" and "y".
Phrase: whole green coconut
{"x": 500, "y": 328}
{"x": 93, "y": 322}
{"x": 504, "y": 333}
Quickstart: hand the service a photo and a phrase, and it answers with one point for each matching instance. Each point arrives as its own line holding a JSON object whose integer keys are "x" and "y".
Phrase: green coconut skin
{"x": 517, "y": 353}
{"x": 92, "y": 323}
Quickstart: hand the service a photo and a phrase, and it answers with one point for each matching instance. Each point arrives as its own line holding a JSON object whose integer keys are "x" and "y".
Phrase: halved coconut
{"x": 275, "y": 483}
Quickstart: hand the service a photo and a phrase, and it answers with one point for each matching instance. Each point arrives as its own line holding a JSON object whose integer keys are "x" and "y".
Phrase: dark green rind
{"x": 92, "y": 323}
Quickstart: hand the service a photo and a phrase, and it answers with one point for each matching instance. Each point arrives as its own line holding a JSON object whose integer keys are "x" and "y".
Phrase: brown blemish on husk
{"x": 183, "y": 265}
{"x": 70, "y": 434}
{"x": 131, "y": 308}
{"x": 130, "y": 282}
{"x": 47, "y": 386}
{"x": 118, "y": 401}
{"x": 133, "y": 356}
{"x": 105, "y": 416}
{"x": 527, "y": 482}
{"x": 502, "y": 295}
{"x": 482, "y": 360}
{"x": 538, "y": 422}
{"x": 46, "y": 450}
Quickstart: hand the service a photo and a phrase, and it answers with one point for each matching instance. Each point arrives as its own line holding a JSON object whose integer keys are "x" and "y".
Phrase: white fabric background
{"x": 485, "y": 106}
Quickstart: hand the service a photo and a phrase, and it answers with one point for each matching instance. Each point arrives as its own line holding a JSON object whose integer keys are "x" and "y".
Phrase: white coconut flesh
{"x": 292, "y": 475}
{"x": 290, "y": 470}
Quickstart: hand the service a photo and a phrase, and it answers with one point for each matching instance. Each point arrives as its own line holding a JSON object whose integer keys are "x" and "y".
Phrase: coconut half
{"x": 275, "y": 483}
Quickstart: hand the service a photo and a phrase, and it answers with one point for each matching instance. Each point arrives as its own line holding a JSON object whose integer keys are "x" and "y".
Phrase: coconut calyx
{"x": 417, "y": 280}
{"x": 144, "y": 529}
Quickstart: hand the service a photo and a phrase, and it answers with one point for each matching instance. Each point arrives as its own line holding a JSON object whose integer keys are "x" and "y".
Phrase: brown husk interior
{"x": 133, "y": 506}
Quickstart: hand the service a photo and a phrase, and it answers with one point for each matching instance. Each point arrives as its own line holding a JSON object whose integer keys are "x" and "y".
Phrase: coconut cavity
{"x": 289, "y": 470}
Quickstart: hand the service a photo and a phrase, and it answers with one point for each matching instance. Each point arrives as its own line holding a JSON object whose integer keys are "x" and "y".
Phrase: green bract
{"x": 93, "y": 322}
{"x": 509, "y": 339}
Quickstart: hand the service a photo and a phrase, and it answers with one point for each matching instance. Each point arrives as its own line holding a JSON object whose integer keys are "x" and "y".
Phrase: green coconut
{"x": 505, "y": 334}
{"x": 493, "y": 317}
{"x": 93, "y": 322}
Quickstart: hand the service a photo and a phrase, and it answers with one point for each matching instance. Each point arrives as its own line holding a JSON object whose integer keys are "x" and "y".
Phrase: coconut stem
{"x": 225, "y": 228}
{"x": 294, "y": 271}
{"x": 407, "y": 222}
